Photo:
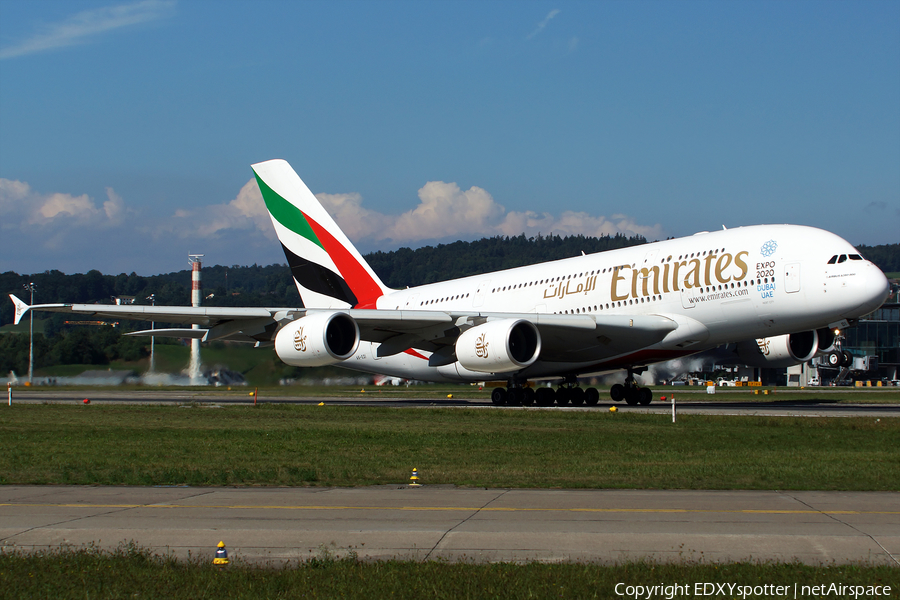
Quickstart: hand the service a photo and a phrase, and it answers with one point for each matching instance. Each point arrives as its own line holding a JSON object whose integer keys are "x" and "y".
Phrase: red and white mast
{"x": 195, "y": 302}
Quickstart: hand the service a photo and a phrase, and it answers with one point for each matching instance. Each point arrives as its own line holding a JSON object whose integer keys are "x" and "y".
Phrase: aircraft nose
{"x": 875, "y": 290}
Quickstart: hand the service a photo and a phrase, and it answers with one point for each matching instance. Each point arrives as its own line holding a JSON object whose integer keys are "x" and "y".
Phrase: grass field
{"x": 348, "y": 446}
{"x": 135, "y": 573}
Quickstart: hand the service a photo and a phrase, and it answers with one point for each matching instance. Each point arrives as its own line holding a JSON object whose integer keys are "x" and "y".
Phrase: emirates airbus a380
{"x": 770, "y": 293}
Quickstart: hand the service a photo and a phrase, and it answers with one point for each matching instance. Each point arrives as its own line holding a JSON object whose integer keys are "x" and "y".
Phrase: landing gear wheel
{"x": 617, "y": 392}
{"x": 576, "y": 396}
{"x": 646, "y": 396}
{"x": 562, "y": 396}
{"x": 631, "y": 397}
{"x": 515, "y": 396}
{"x": 591, "y": 396}
{"x": 528, "y": 395}
{"x": 498, "y": 396}
{"x": 545, "y": 396}
{"x": 847, "y": 360}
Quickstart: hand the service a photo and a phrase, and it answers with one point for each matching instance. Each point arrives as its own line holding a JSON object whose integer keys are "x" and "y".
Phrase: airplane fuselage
{"x": 722, "y": 286}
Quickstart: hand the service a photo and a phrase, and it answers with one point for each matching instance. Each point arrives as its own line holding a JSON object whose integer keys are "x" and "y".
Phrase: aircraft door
{"x": 688, "y": 297}
{"x": 478, "y": 299}
{"x": 650, "y": 258}
{"x": 792, "y": 278}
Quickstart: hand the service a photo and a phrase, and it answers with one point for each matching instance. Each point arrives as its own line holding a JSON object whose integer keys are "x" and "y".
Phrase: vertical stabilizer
{"x": 328, "y": 270}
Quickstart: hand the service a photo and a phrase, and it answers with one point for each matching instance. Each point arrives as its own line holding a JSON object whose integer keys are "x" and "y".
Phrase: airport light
{"x": 30, "y": 287}
{"x": 152, "y": 299}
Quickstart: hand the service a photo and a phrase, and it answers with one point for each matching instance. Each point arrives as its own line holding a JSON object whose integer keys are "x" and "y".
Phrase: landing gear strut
{"x": 630, "y": 392}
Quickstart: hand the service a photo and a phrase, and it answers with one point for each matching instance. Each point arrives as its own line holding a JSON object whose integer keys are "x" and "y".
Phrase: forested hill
{"x": 272, "y": 285}
{"x": 405, "y": 267}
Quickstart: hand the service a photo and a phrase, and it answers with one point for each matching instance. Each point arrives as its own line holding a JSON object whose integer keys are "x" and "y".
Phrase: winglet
{"x": 21, "y": 308}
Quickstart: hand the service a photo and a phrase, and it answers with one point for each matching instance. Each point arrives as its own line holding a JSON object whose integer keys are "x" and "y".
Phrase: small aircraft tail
{"x": 328, "y": 270}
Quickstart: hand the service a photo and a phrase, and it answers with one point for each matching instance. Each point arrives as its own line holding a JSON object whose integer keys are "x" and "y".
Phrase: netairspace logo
{"x": 735, "y": 590}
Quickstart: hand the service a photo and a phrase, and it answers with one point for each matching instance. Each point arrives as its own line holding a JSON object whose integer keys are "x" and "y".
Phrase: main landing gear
{"x": 630, "y": 392}
{"x": 569, "y": 392}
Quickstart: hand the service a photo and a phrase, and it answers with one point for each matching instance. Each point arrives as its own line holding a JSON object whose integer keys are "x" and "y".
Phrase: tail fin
{"x": 328, "y": 270}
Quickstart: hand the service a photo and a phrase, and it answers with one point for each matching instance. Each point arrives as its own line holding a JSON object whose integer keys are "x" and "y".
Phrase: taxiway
{"x": 275, "y": 525}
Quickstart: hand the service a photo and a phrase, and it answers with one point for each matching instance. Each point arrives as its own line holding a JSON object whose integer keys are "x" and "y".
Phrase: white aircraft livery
{"x": 771, "y": 294}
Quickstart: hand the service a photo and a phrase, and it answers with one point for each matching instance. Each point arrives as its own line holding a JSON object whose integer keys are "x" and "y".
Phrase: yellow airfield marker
{"x": 221, "y": 558}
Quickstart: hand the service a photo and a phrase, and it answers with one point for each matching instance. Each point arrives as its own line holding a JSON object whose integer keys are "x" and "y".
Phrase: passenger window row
{"x": 445, "y": 299}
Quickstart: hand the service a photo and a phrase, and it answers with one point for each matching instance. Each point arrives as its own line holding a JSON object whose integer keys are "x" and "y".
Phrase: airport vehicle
{"x": 770, "y": 294}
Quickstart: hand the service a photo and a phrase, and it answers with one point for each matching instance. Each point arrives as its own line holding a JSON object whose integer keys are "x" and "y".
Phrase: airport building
{"x": 878, "y": 335}
{"x": 871, "y": 348}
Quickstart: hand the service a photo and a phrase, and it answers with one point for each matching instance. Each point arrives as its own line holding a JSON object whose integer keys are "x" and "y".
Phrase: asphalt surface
{"x": 809, "y": 403}
{"x": 276, "y": 525}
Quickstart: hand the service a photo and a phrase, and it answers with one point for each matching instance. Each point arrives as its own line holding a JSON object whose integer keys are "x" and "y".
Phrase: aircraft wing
{"x": 239, "y": 324}
{"x": 565, "y": 338}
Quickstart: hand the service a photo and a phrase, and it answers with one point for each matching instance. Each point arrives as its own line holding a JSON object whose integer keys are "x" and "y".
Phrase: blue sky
{"x": 127, "y": 129}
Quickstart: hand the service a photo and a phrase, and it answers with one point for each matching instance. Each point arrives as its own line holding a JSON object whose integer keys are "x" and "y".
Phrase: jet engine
{"x": 499, "y": 346}
{"x": 780, "y": 351}
{"x": 826, "y": 340}
{"x": 317, "y": 340}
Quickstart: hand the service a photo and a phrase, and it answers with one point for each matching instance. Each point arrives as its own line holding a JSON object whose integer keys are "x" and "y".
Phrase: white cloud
{"x": 446, "y": 211}
{"x": 21, "y": 206}
{"x": 86, "y": 24}
{"x": 543, "y": 24}
{"x": 80, "y": 209}
{"x": 114, "y": 207}
{"x": 78, "y": 232}
{"x": 246, "y": 212}
{"x": 13, "y": 195}
{"x": 57, "y": 221}
{"x": 356, "y": 221}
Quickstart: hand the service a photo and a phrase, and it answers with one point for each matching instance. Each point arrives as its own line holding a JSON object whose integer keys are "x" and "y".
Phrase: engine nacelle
{"x": 317, "y": 340}
{"x": 826, "y": 340}
{"x": 780, "y": 351}
{"x": 499, "y": 346}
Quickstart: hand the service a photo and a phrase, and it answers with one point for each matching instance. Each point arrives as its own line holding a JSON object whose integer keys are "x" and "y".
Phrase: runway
{"x": 799, "y": 403}
{"x": 275, "y": 525}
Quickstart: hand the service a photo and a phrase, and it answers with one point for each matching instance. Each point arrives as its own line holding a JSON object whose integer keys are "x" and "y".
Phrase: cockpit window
{"x": 832, "y": 260}
{"x": 855, "y": 257}
{"x": 842, "y": 258}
